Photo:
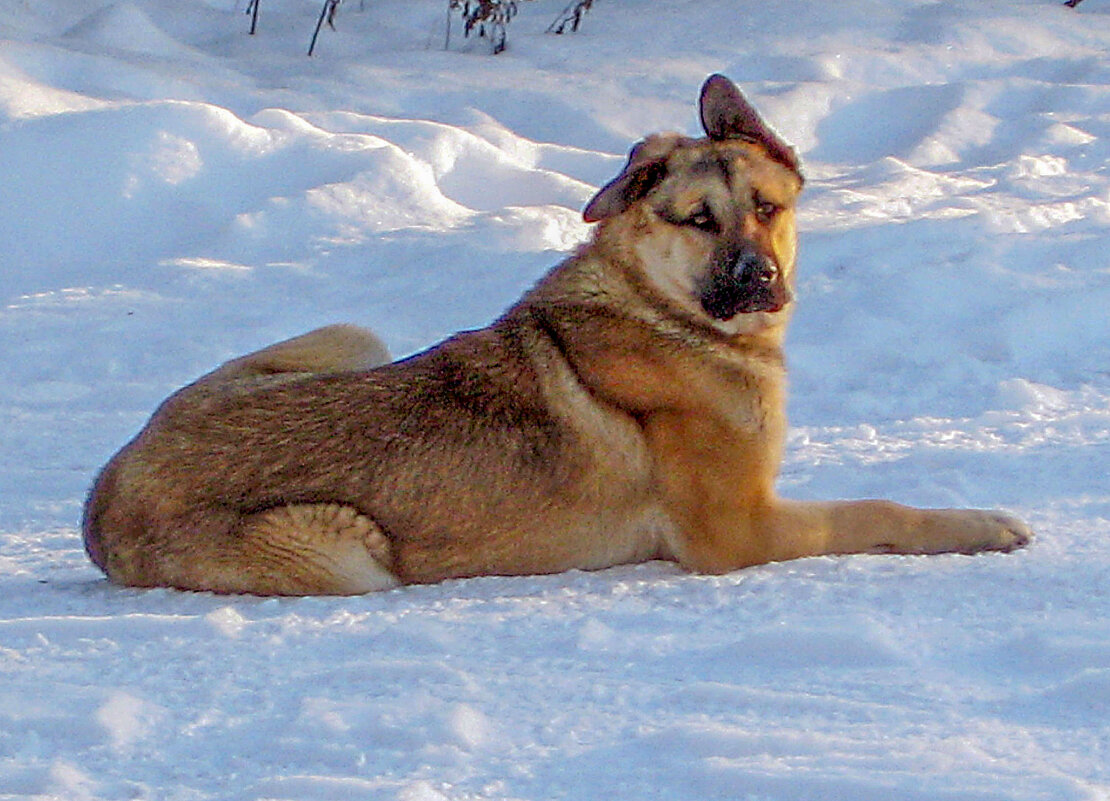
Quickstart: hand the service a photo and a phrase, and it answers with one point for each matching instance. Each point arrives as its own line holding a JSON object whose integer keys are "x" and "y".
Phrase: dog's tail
{"x": 332, "y": 349}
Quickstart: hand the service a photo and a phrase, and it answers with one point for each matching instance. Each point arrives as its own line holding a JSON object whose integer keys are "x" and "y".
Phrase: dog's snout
{"x": 747, "y": 281}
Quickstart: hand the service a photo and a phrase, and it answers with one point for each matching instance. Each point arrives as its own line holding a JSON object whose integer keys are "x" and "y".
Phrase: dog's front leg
{"x": 752, "y": 533}
{"x": 841, "y": 527}
{"x": 717, "y": 485}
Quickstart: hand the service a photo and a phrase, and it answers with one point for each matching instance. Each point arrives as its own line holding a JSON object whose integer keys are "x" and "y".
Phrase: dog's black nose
{"x": 754, "y": 270}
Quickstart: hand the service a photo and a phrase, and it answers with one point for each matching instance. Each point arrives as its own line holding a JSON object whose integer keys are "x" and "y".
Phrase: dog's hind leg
{"x": 299, "y": 549}
{"x": 305, "y": 549}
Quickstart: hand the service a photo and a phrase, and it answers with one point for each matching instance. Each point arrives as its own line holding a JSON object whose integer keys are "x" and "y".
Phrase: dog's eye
{"x": 765, "y": 209}
{"x": 704, "y": 220}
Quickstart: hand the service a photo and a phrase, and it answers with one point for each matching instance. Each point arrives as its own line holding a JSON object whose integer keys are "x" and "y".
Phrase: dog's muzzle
{"x": 745, "y": 281}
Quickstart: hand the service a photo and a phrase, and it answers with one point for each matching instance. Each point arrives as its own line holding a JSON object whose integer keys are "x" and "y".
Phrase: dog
{"x": 629, "y": 407}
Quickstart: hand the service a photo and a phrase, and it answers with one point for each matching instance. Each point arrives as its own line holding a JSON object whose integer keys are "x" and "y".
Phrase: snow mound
{"x": 127, "y": 27}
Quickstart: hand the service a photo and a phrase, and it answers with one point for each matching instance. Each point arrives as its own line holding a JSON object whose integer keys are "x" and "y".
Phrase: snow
{"x": 176, "y": 193}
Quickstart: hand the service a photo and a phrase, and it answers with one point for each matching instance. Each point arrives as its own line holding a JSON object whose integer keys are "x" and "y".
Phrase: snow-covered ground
{"x": 174, "y": 192}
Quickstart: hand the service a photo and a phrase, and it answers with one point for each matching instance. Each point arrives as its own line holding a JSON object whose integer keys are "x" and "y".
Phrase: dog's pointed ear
{"x": 727, "y": 114}
{"x": 646, "y": 167}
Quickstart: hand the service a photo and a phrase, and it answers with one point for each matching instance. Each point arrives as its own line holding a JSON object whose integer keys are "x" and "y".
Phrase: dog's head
{"x": 712, "y": 219}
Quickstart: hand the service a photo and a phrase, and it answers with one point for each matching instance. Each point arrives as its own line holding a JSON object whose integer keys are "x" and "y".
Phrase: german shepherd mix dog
{"x": 629, "y": 407}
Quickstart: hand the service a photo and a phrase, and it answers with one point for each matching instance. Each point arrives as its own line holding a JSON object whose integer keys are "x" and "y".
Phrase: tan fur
{"x": 332, "y": 349}
{"x": 622, "y": 410}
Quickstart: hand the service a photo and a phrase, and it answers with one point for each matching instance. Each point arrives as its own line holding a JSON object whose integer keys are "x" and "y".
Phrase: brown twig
{"x": 572, "y": 16}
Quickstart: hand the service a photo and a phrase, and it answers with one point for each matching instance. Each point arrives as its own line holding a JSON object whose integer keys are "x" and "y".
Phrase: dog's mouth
{"x": 751, "y": 282}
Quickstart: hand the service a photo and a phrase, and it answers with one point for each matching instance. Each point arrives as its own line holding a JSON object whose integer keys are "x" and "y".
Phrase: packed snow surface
{"x": 174, "y": 192}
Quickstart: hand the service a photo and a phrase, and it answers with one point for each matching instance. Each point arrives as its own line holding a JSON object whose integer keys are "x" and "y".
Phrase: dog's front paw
{"x": 995, "y": 531}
